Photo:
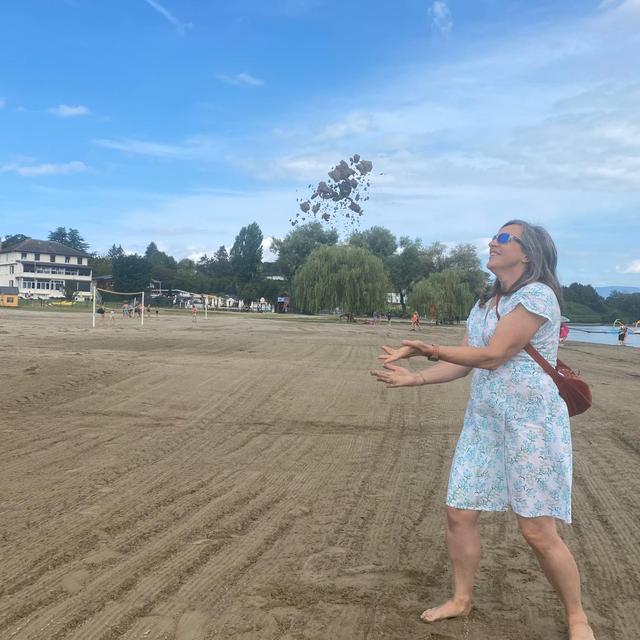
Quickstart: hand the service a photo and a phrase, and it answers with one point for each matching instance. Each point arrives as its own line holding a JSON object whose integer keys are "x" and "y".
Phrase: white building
{"x": 42, "y": 268}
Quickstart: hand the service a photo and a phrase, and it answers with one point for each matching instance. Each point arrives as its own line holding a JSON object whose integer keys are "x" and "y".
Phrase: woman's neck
{"x": 508, "y": 278}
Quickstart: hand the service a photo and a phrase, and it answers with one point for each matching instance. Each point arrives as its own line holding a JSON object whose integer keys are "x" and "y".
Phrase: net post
{"x": 206, "y": 306}
{"x": 93, "y": 312}
{"x": 142, "y": 311}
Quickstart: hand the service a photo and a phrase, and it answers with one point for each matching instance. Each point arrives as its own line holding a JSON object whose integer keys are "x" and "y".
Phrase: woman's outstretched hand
{"x": 408, "y": 349}
{"x": 395, "y": 376}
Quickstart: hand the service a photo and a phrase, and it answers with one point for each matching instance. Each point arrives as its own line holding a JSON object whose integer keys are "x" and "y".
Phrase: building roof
{"x": 45, "y": 246}
{"x": 8, "y": 291}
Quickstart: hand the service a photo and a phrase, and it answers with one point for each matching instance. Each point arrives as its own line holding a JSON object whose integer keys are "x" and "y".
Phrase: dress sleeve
{"x": 537, "y": 298}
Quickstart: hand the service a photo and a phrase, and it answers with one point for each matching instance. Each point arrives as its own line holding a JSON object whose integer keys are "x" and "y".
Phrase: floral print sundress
{"x": 515, "y": 446}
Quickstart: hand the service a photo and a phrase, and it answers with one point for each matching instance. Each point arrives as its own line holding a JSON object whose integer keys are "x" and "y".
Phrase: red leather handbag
{"x": 573, "y": 389}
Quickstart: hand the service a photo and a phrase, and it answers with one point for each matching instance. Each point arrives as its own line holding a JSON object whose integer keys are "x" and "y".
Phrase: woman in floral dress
{"x": 515, "y": 447}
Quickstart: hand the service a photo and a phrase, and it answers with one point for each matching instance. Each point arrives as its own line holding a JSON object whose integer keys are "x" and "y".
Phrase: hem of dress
{"x": 564, "y": 517}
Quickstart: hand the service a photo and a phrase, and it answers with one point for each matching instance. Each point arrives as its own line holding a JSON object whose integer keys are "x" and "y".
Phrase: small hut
{"x": 8, "y": 296}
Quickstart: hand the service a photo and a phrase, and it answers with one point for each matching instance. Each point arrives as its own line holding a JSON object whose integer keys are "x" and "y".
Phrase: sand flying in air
{"x": 339, "y": 199}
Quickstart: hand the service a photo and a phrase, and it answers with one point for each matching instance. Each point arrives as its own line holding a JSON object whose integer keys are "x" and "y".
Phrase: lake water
{"x": 582, "y": 333}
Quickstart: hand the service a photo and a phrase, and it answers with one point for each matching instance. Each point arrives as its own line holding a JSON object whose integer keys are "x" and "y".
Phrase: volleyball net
{"x": 111, "y": 305}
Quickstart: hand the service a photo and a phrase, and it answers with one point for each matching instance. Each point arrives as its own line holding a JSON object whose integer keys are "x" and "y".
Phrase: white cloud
{"x": 481, "y": 245}
{"x": 632, "y": 267}
{"x": 196, "y": 254}
{"x": 441, "y": 19}
{"x": 45, "y": 169}
{"x": 292, "y": 168}
{"x": 212, "y": 218}
{"x": 180, "y": 26}
{"x": 193, "y": 148}
{"x": 240, "y": 79}
{"x": 355, "y": 123}
{"x": 267, "y": 255}
{"x": 620, "y": 9}
{"x": 69, "y": 111}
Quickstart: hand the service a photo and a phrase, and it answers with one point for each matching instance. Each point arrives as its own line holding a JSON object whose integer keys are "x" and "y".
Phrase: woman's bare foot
{"x": 580, "y": 631}
{"x": 450, "y": 609}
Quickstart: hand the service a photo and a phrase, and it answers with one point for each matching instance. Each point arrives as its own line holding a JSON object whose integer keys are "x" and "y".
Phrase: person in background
{"x": 564, "y": 331}
{"x": 622, "y": 334}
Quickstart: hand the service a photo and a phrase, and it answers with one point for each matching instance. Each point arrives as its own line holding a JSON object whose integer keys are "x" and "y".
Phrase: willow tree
{"x": 341, "y": 276}
{"x": 445, "y": 295}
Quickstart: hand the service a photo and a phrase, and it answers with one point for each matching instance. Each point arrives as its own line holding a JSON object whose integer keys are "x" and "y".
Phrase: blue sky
{"x": 179, "y": 122}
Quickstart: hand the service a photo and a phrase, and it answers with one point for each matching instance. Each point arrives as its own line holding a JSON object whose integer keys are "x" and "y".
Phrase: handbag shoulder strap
{"x": 531, "y": 350}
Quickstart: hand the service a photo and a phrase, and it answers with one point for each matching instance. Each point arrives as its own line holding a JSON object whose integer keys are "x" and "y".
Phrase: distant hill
{"x": 605, "y": 292}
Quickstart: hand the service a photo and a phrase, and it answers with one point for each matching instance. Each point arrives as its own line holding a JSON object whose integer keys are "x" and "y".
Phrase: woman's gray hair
{"x": 542, "y": 256}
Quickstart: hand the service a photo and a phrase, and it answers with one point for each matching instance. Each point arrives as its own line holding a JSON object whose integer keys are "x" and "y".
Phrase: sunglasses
{"x": 505, "y": 238}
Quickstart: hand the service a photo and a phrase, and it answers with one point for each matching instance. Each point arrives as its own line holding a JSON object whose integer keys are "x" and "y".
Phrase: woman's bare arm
{"x": 395, "y": 376}
{"x": 513, "y": 332}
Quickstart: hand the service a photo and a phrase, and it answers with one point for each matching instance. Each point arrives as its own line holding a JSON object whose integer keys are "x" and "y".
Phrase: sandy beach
{"x": 245, "y": 478}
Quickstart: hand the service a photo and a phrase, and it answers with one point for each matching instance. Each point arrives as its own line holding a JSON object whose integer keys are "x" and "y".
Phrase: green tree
{"x": 380, "y": 241}
{"x": 59, "y": 235}
{"x": 350, "y": 278}
{"x": 71, "y": 238}
{"x": 432, "y": 258}
{"x": 245, "y": 257}
{"x": 297, "y": 245}
{"x": 76, "y": 241}
{"x": 131, "y": 273}
{"x": 623, "y": 306}
{"x": 586, "y": 295}
{"x": 405, "y": 268}
{"x": 220, "y": 266}
{"x": 69, "y": 289}
{"x": 259, "y": 288}
{"x": 464, "y": 258}
{"x": 446, "y": 293}
{"x": 12, "y": 240}
{"x": 159, "y": 258}
{"x": 205, "y": 265}
{"x": 100, "y": 265}
{"x": 115, "y": 252}
{"x": 580, "y": 313}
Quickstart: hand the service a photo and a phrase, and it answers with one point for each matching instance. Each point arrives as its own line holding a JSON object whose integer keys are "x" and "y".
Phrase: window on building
{"x": 29, "y": 284}
{"x": 36, "y": 256}
{"x": 79, "y": 260}
{"x": 67, "y": 259}
{"x": 52, "y": 257}
{"x": 23, "y": 255}
{"x": 10, "y": 300}
{"x": 10, "y": 268}
{"x": 11, "y": 283}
